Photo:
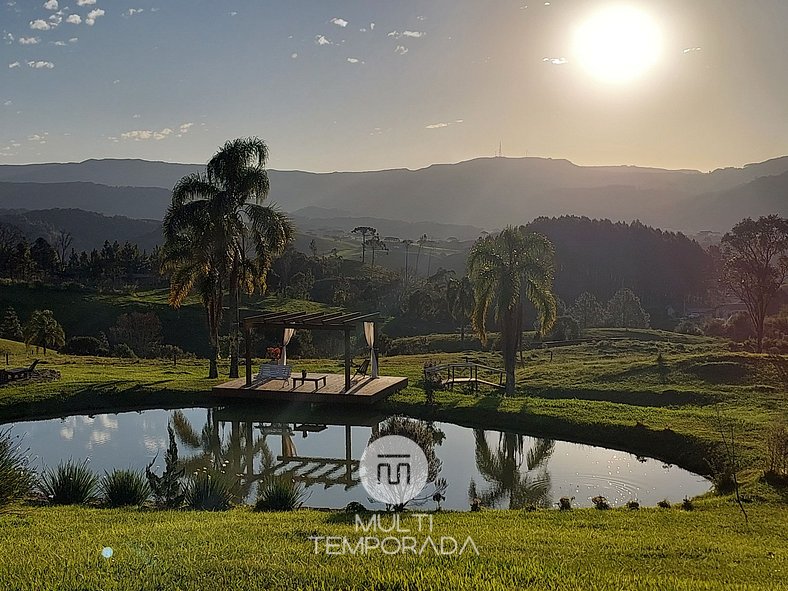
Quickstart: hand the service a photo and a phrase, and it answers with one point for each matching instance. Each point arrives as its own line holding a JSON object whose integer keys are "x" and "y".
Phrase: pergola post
{"x": 248, "y": 339}
{"x": 347, "y": 360}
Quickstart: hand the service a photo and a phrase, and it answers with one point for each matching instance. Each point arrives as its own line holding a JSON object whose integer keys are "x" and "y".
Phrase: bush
{"x": 279, "y": 493}
{"x": 687, "y": 504}
{"x": 210, "y": 491}
{"x": 664, "y": 504}
{"x": 84, "y": 346}
{"x": 689, "y": 327}
{"x": 600, "y": 503}
{"x": 72, "y": 483}
{"x": 121, "y": 488}
{"x": 777, "y": 446}
{"x": 633, "y": 505}
{"x": 16, "y": 478}
{"x": 565, "y": 503}
{"x": 566, "y": 328}
{"x": 123, "y": 351}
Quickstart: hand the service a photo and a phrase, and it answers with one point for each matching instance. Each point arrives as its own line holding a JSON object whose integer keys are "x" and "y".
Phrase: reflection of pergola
{"x": 336, "y": 321}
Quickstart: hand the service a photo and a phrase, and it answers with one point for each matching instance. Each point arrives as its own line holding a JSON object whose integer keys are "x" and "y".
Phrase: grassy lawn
{"x": 709, "y": 548}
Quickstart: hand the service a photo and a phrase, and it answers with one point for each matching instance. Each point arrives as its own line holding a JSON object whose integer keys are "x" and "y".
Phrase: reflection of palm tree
{"x": 234, "y": 457}
{"x": 502, "y": 470}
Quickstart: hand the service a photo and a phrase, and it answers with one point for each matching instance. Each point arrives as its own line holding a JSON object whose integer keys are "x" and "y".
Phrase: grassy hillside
{"x": 709, "y": 548}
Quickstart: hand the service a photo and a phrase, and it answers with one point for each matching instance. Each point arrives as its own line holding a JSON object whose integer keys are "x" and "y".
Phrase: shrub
{"x": 565, "y": 328}
{"x": 664, "y": 504}
{"x": 121, "y": 488}
{"x": 633, "y": 505}
{"x": 167, "y": 489}
{"x": 72, "y": 483}
{"x": 600, "y": 503}
{"x": 565, "y": 503}
{"x": 687, "y": 504}
{"x": 689, "y": 327}
{"x": 16, "y": 478}
{"x": 210, "y": 491}
{"x": 279, "y": 493}
{"x": 123, "y": 351}
{"x": 777, "y": 446}
{"x": 84, "y": 346}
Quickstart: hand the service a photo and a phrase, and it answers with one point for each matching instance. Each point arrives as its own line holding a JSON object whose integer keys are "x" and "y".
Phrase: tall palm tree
{"x": 461, "y": 301}
{"x": 503, "y": 470}
{"x": 43, "y": 330}
{"x": 247, "y": 235}
{"x": 507, "y": 270}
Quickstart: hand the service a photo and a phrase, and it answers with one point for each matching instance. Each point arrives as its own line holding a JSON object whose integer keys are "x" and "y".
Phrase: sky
{"x": 368, "y": 84}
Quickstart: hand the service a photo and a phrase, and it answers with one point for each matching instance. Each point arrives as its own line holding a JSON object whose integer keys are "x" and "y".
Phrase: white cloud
{"x": 133, "y": 11}
{"x": 86, "y": 2}
{"x": 29, "y": 40}
{"x": 354, "y": 60}
{"x": 443, "y": 125}
{"x": 51, "y": 5}
{"x": 556, "y": 61}
{"x": 14, "y": 65}
{"x": 9, "y": 38}
{"x": 322, "y": 40}
{"x": 141, "y": 135}
{"x": 40, "y": 25}
{"x": 55, "y": 19}
{"x": 340, "y": 22}
{"x": 294, "y": 55}
{"x": 39, "y": 138}
{"x": 73, "y": 19}
{"x": 371, "y": 26}
{"x": 692, "y": 49}
{"x": 136, "y": 116}
{"x": 416, "y": 34}
{"x": 41, "y": 65}
{"x": 93, "y": 15}
{"x": 8, "y": 103}
{"x": 73, "y": 40}
{"x": 233, "y": 13}
{"x": 401, "y": 49}
{"x": 59, "y": 43}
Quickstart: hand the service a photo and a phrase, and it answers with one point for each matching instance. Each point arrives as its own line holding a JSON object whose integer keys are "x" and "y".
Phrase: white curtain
{"x": 369, "y": 333}
{"x": 289, "y": 332}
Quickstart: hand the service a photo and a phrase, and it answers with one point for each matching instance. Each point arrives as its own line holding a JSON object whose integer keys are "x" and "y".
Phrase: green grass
{"x": 709, "y": 548}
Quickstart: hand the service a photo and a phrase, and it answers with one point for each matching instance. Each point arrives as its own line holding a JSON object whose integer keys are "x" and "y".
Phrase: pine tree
{"x": 11, "y": 328}
{"x": 167, "y": 488}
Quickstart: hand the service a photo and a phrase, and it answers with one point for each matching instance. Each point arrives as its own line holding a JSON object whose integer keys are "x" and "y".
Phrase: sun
{"x": 618, "y": 44}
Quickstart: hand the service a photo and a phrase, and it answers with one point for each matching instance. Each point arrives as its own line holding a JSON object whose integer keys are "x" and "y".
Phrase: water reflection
{"x": 322, "y": 449}
{"x": 514, "y": 479}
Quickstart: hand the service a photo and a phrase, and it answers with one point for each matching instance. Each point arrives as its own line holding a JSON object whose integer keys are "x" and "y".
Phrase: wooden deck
{"x": 364, "y": 390}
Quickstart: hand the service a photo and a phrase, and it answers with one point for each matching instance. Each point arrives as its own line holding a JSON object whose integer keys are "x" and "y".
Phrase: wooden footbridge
{"x": 470, "y": 373}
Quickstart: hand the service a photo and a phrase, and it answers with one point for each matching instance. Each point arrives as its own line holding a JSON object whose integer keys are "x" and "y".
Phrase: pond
{"x": 507, "y": 470}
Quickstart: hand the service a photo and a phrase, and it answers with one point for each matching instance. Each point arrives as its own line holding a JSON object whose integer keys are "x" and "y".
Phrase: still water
{"x": 507, "y": 470}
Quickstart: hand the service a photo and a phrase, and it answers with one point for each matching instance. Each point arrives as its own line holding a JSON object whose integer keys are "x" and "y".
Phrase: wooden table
{"x": 314, "y": 379}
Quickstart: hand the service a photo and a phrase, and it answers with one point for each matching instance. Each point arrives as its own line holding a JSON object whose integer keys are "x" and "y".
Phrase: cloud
{"x": 340, "y": 22}
{"x": 41, "y": 65}
{"x": 322, "y": 40}
{"x": 401, "y": 49}
{"x": 29, "y": 40}
{"x": 93, "y": 15}
{"x": 136, "y": 116}
{"x": 14, "y": 65}
{"x": 8, "y": 103}
{"x": 556, "y": 61}
{"x": 443, "y": 125}
{"x": 141, "y": 135}
{"x": 51, "y": 5}
{"x": 233, "y": 13}
{"x": 294, "y": 55}
{"x": 692, "y": 49}
{"x": 38, "y": 138}
{"x": 354, "y": 60}
{"x": 86, "y": 2}
{"x": 40, "y": 25}
{"x": 9, "y": 38}
{"x": 73, "y": 19}
{"x": 415, "y": 34}
{"x": 133, "y": 11}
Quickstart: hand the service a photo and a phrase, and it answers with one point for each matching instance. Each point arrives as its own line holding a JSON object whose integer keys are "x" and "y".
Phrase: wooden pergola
{"x": 346, "y": 322}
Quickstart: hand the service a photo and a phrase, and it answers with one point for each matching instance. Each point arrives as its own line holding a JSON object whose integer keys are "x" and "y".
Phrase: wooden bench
{"x": 269, "y": 371}
{"x": 314, "y": 379}
{"x": 18, "y": 373}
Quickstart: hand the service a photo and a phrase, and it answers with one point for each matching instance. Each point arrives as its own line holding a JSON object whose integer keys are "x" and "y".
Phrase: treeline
{"x": 113, "y": 266}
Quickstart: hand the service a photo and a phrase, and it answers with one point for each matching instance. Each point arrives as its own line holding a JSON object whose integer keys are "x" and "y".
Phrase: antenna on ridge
{"x": 499, "y": 151}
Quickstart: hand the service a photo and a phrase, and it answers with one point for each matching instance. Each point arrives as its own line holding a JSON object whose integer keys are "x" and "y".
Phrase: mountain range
{"x": 459, "y": 199}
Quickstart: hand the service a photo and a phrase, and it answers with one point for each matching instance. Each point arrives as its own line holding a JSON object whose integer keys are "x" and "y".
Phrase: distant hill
{"x": 88, "y": 229}
{"x": 482, "y": 193}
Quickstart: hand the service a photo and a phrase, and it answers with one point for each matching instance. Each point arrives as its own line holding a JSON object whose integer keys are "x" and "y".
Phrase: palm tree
{"x": 507, "y": 270}
{"x": 502, "y": 469}
{"x": 43, "y": 330}
{"x": 193, "y": 263}
{"x": 246, "y": 235}
{"x": 460, "y": 297}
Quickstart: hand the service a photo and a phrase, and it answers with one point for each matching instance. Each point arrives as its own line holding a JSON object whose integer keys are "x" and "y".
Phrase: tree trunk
{"x": 509, "y": 331}
{"x": 234, "y": 292}
{"x": 462, "y": 332}
{"x": 213, "y": 311}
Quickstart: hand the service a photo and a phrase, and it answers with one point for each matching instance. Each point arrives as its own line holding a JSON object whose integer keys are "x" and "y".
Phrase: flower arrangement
{"x": 274, "y": 353}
